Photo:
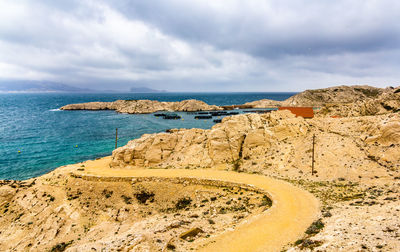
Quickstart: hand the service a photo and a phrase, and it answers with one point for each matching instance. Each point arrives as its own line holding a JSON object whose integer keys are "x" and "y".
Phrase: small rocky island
{"x": 143, "y": 106}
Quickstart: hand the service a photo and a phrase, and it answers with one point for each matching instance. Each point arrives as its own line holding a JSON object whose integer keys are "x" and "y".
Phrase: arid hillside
{"x": 356, "y": 161}
{"x": 278, "y": 142}
{"x": 388, "y": 101}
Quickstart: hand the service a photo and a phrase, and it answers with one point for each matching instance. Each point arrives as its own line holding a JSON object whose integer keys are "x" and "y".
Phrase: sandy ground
{"x": 293, "y": 209}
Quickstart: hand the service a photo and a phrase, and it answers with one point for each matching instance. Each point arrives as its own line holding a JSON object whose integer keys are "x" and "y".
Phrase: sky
{"x": 201, "y": 46}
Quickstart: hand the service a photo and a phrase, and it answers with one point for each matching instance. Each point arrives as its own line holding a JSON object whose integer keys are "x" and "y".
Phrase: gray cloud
{"x": 276, "y": 26}
{"x": 201, "y": 46}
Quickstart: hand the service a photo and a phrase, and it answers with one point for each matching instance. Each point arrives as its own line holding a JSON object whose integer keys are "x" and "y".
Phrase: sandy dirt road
{"x": 292, "y": 211}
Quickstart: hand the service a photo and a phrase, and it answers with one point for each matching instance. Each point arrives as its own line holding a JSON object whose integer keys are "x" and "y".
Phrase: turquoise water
{"x": 47, "y": 137}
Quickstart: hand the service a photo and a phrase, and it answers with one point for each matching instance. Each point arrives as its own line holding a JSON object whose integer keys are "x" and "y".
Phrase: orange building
{"x": 305, "y": 112}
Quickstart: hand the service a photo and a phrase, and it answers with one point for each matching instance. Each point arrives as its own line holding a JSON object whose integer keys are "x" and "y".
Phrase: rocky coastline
{"x": 339, "y": 100}
{"x": 356, "y": 134}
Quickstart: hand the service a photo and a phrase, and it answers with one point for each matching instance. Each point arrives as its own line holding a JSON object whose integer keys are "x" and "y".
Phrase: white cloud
{"x": 201, "y": 46}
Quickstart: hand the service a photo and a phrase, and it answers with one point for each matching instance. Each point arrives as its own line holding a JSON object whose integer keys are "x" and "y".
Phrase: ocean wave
{"x": 55, "y": 109}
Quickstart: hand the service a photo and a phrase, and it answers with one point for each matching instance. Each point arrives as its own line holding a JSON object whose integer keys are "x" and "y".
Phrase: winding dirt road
{"x": 292, "y": 211}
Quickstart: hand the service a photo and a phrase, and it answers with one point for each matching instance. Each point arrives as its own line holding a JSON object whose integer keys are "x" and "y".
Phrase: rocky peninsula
{"x": 184, "y": 203}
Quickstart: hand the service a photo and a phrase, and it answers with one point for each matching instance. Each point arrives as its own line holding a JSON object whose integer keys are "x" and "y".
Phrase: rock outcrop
{"x": 143, "y": 106}
{"x": 278, "y": 141}
{"x": 388, "y": 101}
{"x": 264, "y": 103}
{"x": 226, "y": 143}
{"x": 342, "y": 101}
{"x": 337, "y": 95}
{"x": 320, "y": 97}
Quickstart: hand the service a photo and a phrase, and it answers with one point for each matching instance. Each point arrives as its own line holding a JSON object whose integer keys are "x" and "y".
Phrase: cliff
{"x": 143, "y": 106}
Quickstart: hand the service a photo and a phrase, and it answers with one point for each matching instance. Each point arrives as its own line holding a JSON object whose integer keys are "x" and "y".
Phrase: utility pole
{"x": 313, "y": 148}
{"x": 116, "y": 138}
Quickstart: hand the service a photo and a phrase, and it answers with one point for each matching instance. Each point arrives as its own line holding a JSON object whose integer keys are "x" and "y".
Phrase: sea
{"x": 36, "y": 137}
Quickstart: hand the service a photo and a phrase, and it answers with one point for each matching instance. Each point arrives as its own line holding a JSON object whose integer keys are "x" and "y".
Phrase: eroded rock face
{"x": 235, "y": 138}
{"x": 388, "y": 101}
{"x": 384, "y": 144}
{"x": 143, "y": 106}
{"x": 278, "y": 141}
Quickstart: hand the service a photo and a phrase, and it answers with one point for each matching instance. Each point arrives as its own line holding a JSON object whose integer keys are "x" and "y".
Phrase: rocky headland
{"x": 356, "y": 178}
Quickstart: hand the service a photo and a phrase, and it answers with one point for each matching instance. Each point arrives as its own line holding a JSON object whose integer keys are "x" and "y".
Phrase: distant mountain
{"x": 146, "y": 90}
{"x": 28, "y": 86}
{"x": 38, "y": 87}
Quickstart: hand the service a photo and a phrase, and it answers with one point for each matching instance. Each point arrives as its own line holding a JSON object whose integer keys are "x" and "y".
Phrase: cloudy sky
{"x": 197, "y": 45}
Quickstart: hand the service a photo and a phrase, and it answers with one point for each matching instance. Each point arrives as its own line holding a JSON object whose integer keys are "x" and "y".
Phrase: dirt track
{"x": 293, "y": 209}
